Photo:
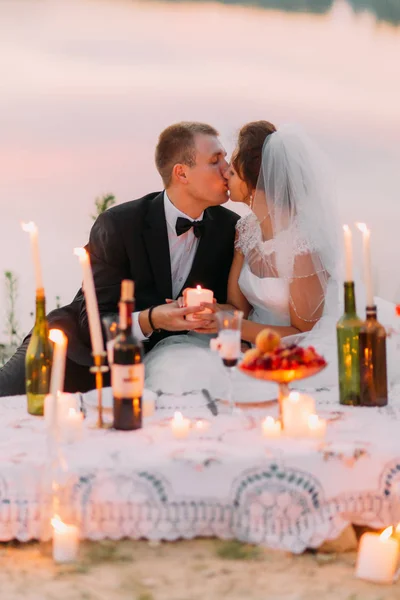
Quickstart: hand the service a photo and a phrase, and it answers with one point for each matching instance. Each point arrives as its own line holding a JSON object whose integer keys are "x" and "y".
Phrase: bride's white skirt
{"x": 184, "y": 363}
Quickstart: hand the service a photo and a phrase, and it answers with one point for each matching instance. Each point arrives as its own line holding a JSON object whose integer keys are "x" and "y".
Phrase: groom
{"x": 165, "y": 241}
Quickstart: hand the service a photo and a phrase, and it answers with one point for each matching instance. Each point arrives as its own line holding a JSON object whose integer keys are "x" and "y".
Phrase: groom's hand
{"x": 169, "y": 317}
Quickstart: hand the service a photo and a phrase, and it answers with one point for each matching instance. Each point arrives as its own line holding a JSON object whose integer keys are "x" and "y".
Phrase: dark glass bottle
{"x": 347, "y": 329}
{"x": 373, "y": 374}
{"x": 127, "y": 371}
{"x": 38, "y": 360}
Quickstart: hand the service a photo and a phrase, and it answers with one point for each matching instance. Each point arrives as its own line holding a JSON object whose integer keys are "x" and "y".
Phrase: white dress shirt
{"x": 182, "y": 250}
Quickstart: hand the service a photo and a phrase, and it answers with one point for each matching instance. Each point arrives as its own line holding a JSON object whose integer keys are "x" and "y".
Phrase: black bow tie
{"x": 183, "y": 225}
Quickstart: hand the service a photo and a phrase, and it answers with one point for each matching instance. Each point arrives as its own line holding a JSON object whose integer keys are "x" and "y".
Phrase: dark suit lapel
{"x": 204, "y": 258}
{"x": 156, "y": 242}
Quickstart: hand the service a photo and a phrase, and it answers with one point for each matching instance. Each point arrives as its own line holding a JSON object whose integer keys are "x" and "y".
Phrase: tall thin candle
{"x": 59, "y": 357}
{"x": 367, "y": 263}
{"x": 33, "y": 232}
{"x": 348, "y": 250}
{"x": 91, "y": 302}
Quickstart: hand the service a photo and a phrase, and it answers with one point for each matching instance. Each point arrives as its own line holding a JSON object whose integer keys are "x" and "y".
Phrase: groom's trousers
{"x": 78, "y": 378}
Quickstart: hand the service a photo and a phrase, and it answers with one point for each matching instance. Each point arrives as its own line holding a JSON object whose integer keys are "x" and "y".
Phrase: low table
{"x": 224, "y": 480}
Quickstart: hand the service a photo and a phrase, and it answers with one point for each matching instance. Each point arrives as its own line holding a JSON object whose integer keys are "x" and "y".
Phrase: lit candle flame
{"x": 29, "y": 227}
{"x": 57, "y": 336}
{"x": 198, "y": 288}
{"x": 80, "y": 252}
{"x": 386, "y": 533}
{"x": 346, "y": 228}
{"x": 178, "y": 416}
{"x": 294, "y": 396}
{"x": 58, "y": 525}
{"x": 269, "y": 421}
{"x": 362, "y": 227}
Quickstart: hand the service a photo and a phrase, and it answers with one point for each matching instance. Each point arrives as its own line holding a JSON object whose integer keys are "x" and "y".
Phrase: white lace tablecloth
{"x": 228, "y": 481}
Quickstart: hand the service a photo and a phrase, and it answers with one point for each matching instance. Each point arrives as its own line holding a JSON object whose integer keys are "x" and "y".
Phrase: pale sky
{"x": 87, "y": 86}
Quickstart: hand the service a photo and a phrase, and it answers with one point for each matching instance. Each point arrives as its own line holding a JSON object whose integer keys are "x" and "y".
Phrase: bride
{"x": 286, "y": 264}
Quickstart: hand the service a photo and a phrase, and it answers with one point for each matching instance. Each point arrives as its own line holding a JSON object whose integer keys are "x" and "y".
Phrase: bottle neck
{"x": 371, "y": 313}
{"x": 125, "y": 315}
{"x": 40, "y": 308}
{"x": 349, "y": 298}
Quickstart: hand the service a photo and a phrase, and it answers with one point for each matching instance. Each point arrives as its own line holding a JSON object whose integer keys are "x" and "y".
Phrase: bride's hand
{"x": 207, "y": 321}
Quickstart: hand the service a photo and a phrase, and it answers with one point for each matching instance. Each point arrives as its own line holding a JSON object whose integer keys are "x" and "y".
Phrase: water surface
{"x": 87, "y": 85}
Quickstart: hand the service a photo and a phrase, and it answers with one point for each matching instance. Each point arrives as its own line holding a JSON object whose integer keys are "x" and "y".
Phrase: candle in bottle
{"x": 367, "y": 263}
{"x": 348, "y": 252}
{"x": 32, "y": 229}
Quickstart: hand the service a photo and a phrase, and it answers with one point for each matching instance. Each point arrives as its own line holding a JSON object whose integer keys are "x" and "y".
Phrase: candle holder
{"x": 98, "y": 369}
{"x": 283, "y": 377}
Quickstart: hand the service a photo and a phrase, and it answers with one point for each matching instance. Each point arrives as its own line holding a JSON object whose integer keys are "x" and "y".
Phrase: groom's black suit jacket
{"x": 130, "y": 241}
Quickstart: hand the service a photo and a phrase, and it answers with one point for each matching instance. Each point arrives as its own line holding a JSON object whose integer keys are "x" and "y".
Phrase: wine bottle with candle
{"x": 38, "y": 359}
{"x": 372, "y": 352}
{"x": 127, "y": 371}
{"x": 347, "y": 329}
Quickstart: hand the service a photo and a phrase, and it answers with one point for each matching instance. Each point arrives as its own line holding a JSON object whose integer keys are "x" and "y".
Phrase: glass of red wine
{"x": 229, "y": 337}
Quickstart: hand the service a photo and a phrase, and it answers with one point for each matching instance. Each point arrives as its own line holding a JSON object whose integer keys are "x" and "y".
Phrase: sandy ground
{"x": 195, "y": 570}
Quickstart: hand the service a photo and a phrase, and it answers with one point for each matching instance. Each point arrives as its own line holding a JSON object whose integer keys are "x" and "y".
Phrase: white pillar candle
{"x": 271, "y": 428}
{"x": 195, "y": 296}
{"x": 64, "y": 403}
{"x": 59, "y": 357}
{"x": 229, "y": 343}
{"x": 72, "y": 426}
{"x": 180, "y": 426}
{"x": 296, "y": 409}
{"x": 367, "y": 263}
{"x": 377, "y": 557}
{"x": 92, "y": 307}
{"x": 65, "y": 541}
{"x": 33, "y": 232}
{"x": 348, "y": 252}
{"x": 316, "y": 427}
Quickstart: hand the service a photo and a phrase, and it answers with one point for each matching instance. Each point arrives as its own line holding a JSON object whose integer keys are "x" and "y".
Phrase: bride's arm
{"x": 250, "y": 330}
{"x": 305, "y": 306}
{"x": 235, "y": 297}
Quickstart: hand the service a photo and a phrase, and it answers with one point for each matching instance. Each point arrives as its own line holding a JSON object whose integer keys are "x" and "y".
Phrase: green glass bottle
{"x": 373, "y": 370}
{"x": 348, "y": 328}
{"x": 38, "y": 359}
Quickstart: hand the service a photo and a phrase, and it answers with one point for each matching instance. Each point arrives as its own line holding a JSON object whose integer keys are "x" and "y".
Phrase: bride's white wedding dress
{"x": 183, "y": 363}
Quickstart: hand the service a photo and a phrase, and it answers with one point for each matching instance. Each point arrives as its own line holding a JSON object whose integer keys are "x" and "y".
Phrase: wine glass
{"x": 228, "y": 343}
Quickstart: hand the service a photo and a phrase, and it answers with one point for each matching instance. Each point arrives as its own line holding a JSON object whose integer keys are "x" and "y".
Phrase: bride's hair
{"x": 248, "y": 155}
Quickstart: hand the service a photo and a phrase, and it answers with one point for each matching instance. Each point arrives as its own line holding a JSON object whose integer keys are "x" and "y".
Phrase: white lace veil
{"x": 294, "y": 203}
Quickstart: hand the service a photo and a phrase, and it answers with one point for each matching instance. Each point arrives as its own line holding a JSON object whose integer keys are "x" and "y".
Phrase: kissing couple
{"x": 278, "y": 264}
